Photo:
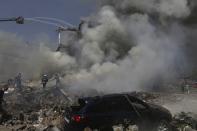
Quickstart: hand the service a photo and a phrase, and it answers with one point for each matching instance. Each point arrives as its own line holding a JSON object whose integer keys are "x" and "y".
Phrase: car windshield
{"x": 137, "y": 103}
{"x": 110, "y": 104}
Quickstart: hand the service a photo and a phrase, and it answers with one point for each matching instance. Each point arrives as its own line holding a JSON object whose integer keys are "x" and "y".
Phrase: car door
{"x": 97, "y": 113}
{"x": 142, "y": 110}
{"x": 110, "y": 111}
{"x": 119, "y": 110}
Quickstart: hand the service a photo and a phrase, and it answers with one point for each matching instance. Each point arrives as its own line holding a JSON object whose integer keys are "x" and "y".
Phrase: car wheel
{"x": 163, "y": 126}
{"x": 87, "y": 129}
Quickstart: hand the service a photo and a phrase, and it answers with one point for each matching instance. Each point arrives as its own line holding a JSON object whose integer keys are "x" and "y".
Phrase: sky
{"x": 68, "y": 10}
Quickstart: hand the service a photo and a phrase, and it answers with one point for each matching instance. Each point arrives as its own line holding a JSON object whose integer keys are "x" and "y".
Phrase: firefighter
{"x": 57, "y": 79}
{"x": 10, "y": 83}
{"x": 187, "y": 88}
{"x": 4, "y": 115}
{"x": 18, "y": 81}
{"x": 44, "y": 80}
{"x": 2, "y": 91}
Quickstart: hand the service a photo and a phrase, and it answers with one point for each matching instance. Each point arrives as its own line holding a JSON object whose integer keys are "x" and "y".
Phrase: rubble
{"x": 185, "y": 121}
{"x": 34, "y": 109}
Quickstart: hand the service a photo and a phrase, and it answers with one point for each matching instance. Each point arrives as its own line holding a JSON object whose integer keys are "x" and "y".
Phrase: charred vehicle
{"x": 103, "y": 112}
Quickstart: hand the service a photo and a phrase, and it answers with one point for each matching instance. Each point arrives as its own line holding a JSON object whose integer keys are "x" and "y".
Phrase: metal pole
{"x": 59, "y": 38}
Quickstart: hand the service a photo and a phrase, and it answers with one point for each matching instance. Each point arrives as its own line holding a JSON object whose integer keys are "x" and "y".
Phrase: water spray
{"x": 53, "y": 19}
{"x": 44, "y": 22}
{"x": 60, "y": 24}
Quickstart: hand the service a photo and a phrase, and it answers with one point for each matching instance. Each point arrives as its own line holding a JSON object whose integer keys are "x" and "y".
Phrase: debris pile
{"x": 185, "y": 121}
{"x": 34, "y": 109}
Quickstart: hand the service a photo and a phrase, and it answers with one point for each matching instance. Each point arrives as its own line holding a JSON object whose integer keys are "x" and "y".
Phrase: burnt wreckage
{"x": 103, "y": 112}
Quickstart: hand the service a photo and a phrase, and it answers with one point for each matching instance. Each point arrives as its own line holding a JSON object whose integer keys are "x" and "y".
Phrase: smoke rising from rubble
{"x": 175, "y": 8}
{"x": 131, "y": 51}
{"x": 122, "y": 47}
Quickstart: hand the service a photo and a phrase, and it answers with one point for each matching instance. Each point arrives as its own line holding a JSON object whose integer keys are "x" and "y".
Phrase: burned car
{"x": 102, "y": 112}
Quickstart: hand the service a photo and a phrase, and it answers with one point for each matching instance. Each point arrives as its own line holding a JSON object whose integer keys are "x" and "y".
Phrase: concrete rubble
{"x": 33, "y": 109}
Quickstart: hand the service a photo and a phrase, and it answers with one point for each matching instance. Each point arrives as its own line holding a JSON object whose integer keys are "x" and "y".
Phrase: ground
{"x": 32, "y": 109}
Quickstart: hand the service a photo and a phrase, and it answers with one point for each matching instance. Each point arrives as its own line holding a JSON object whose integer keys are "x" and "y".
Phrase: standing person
{"x": 44, "y": 80}
{"x": 187, "y": 88}
{"x": 18, "y": 81}
{"x": 183, "y": 88}
{"x": 4, "y": 115}
{"x": 57, "y": 78}
{"x": 2, "y": 91}
{"x": 10, "y": 83}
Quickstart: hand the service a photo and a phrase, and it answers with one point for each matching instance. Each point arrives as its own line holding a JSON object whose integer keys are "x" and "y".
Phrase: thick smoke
{"x": 126, "y": 45}
{"x": 126, "y": 51}
{"x": 175, "y": 8}
{"x": 17, "y": 56}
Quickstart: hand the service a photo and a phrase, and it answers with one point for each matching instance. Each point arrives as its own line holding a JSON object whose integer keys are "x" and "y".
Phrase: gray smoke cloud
{"x": 121, "y": 47}
{"x": 175, "y": 8}
{"x": 126, "y": 52}
{"x": 17, "y": 56}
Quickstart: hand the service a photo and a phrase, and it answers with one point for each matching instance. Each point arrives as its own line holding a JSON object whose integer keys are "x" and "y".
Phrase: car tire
{"x": 87, "y": 129}
{"x": 163, "y": 125}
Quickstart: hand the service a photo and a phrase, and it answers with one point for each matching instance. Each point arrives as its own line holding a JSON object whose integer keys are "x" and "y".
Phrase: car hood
{"x": 158, "y": 107}
{"x": 163, "y": 112}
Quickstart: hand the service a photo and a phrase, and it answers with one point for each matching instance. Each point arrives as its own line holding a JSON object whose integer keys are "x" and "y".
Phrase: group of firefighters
{"x": 17, "y": 83}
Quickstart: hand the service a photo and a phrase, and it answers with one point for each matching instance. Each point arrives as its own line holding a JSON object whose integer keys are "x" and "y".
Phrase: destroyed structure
{"x": 147, "y": 48}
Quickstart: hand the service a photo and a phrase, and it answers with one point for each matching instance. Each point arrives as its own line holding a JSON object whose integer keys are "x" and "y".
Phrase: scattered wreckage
{"x": 185, "y": 122}
{"x": 34, "y": 109}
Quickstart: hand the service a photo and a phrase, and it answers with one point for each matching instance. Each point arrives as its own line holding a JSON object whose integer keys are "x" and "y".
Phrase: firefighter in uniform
{"x": 44, "y": 80}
